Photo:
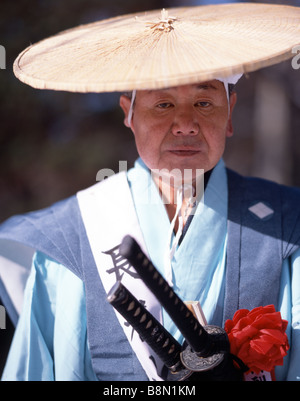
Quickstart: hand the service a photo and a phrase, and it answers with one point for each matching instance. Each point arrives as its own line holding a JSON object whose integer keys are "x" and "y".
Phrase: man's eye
{"x": 164, "y": 105}
{"x": 203, "y": 104}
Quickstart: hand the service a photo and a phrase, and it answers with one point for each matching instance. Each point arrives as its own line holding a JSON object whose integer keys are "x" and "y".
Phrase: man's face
{"x": 183, "y": 127}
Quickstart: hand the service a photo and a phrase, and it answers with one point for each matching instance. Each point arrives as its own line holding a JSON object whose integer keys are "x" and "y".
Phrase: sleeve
{"x": 294, "y": 365}
{"x": 31, "y": 352}
{"x": 50, "y": 342}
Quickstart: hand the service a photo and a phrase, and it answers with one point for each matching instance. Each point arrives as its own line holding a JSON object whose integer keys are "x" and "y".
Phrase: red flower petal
{"x": 258, "y": 337}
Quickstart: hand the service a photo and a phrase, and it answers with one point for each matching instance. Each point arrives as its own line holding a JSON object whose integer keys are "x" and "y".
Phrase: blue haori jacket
{"x": 263, "y": 231}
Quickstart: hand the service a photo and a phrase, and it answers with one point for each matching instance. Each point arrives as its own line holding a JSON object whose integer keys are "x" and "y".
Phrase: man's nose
{"x": 185, "y": 124}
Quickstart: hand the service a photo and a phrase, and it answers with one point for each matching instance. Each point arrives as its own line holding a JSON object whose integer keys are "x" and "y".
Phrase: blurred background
{"x": 52, "y": 144}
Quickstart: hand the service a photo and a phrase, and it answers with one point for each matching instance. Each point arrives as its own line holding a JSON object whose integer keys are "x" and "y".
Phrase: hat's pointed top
{"x": 165, "y": 23}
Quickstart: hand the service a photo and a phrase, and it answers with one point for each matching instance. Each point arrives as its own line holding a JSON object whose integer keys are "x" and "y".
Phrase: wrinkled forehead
{"x": 213, "y": 85}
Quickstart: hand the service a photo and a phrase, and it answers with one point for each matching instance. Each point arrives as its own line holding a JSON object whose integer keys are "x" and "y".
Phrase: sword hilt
{"x": 193, "y": 332}
{"x": 150, "y": 330}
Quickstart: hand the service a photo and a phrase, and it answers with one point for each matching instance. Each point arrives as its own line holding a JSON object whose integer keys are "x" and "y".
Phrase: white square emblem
{"x": 261, "y": 210}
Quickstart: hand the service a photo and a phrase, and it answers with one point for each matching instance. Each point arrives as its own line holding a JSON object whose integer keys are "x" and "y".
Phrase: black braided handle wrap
{"x": 188, "y": 325}
{"x": 150, "y": 330}
{"x": 207, "y": 351}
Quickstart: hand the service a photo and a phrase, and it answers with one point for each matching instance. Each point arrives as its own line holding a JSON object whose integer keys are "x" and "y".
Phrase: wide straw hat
{"x": 162, "y": 48}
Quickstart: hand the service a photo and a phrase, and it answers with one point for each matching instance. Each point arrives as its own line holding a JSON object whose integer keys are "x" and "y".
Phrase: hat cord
{"x": 130, "y": 113}
{"x": 172, "y": 247}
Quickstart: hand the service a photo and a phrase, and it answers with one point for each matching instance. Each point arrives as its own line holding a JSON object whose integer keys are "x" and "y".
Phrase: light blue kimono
{"x": 51, "y": 338}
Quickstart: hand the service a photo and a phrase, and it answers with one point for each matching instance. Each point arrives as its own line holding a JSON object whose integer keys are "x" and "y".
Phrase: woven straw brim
{"x": 138, "y": 51}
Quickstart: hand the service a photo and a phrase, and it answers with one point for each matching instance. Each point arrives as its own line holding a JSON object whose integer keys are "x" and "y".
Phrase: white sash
{"x": 108, "y": 214}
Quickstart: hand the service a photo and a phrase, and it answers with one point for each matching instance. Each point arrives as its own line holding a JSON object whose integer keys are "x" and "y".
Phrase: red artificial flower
{"x": 258, "y": 337}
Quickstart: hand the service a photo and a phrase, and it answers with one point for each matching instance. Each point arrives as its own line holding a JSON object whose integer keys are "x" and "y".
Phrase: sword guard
{"x": 192, "y": 361}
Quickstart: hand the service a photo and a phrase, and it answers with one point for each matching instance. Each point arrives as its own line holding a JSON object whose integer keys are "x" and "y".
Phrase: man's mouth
{"x": 185, "y": 151}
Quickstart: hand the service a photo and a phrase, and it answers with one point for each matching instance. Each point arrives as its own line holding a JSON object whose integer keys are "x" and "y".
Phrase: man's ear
{"x": 232, "y": 102}
{"x": 125, "y": 103}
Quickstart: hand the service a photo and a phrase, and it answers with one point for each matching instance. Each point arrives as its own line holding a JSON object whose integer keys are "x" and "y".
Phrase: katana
{"x": 206, "y": 350}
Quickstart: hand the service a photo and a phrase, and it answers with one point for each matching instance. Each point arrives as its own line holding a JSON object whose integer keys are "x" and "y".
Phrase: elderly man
{"x": 236, "y": 246}
{"x": 175, "y": 128}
